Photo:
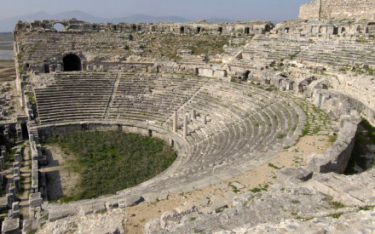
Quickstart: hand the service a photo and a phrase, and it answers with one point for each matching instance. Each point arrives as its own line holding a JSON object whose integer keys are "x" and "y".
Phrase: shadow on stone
{"x": 54, "y": 186}
{"x": 51, "y": 161}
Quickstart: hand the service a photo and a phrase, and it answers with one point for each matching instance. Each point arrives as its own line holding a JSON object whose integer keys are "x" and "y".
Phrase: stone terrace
{"x": 335, "y": 53}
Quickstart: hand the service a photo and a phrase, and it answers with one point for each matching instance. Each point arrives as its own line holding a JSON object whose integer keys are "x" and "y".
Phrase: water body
{"x": 6, "y": 43}
{"x": 6, "y": 54}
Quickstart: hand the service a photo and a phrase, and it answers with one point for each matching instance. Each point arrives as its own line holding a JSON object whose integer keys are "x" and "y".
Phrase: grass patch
{"x": 111, "y": 161}
{"x": 333, "y": 139}
{"x": 365, "y": 208}
{"x": 335, "y": 216}
{"x": 337, "y": 205}
{"x": 31, "y": 97}
{"x": 167, "y": 45}
{"x": 294, "y": 55}
{"x": 273, "y": 166}
{"x": 280, "y": 136}
{"x": 259, "y": 188}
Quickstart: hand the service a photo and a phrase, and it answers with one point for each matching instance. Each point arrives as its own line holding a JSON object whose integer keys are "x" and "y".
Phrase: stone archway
{"x": 58, "y": 27}
{"x": 72, "y": 62}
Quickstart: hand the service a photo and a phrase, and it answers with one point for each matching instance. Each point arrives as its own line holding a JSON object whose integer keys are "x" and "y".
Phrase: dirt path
{"x": 60, "y": 180}
{"x": 26, "y": 181}
{"x": 139, "y": 215}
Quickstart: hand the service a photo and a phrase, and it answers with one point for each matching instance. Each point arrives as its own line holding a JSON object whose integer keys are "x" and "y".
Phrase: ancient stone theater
{"x": 266, "y": 121}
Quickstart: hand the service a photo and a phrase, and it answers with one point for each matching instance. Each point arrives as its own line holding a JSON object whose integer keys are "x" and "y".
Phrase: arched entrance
{"x": 72, "y": 62}
{"x": 58, "y": 27}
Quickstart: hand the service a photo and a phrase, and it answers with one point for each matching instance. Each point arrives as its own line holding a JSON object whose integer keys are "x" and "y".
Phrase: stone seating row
{"x": 151, "y": 96}
{"x": 340, "y": 53}
{"x": 73, "y": 96}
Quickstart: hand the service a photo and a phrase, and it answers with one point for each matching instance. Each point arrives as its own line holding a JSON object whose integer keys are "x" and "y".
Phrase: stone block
{"x": 219, "y": 206}
{"x": 237, "y": 185}
{"x": 3, "y": 203}
{"x": 15, "y": 214}
{"x": 17, "y": 183}
{"x": 130, "y": 201}
{"x": 150, "y": 197}
{"x": 168, "y": 218}
{"x": 294, "y": 174}
{"x": 11, "y": 226}
{"x": 153, "y": 226}
{"x": 86, "y": 210}
{"x": 204, "y": 202}
{"x": 319, "y": 163}
{"x": 16, "y": 164}
{"x": 186, "y": 209}
{"x": 17, "y": 158}
{"x": 98, "y": 207}
{"x": 10, "y": 199}
{"x": 56, "y": 214}
{"x": 111, "y": 204}
{"x": 35, "y": 199}
{"x": 16, "y": 171}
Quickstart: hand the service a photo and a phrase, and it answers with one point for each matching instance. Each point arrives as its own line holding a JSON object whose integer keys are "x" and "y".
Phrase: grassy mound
{"x": 111, "y": 161}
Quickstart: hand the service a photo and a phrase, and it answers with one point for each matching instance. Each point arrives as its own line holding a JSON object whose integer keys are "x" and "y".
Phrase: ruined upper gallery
{"x": 337, "y": 9}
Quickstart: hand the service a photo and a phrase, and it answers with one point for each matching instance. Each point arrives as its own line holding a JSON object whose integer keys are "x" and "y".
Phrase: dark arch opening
{"x": 182, "y": 30}
{"x": 72, "y": 63}
{"x": 199, "y": 29}
{"x": 335, "y": 30}
{"x": 268, "y": 28}
{"x": 247, "y": 30}
{"x": 246, "y": 75}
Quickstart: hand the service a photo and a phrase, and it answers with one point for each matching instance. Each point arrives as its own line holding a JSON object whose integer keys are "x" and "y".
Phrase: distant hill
{"x": 139, "y": 18}
{"x": 219, "y": 20}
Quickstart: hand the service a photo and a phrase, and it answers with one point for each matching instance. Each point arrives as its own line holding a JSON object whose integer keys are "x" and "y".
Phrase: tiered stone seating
{"x": 75, "y": 97}
{"x": 151, "y": 97}
{"x": 335, "y": 53}
{"x": 250, "y": 123}
{"x": 245, "y": 126}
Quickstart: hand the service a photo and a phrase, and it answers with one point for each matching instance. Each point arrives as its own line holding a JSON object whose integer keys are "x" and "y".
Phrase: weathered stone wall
{"x": 309, "y": 10}
{"x": 338, "y": 9}
{"x": 75, "y": 26}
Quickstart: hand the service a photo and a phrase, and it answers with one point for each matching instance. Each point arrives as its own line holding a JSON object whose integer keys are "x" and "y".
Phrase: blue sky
{"x": 191, "y": 9}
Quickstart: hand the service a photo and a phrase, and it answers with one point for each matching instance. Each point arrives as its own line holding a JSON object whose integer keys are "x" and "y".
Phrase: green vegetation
{"x": 293, "y": 56}
{"x": 167, "y": 45}
{"x": 366, "y": 70}
{"x": 336, "y": 215}
{"x": 365, "y": 207}
{"x": 280, "y": 136}
{"x": 333, "y": 138}
{"x": 31, "y": 97}
{"x": 260, "y": 188}
{"x": 273, "y": 166}
{"x": 365, "y": 136}
{"x": 361, "y": 39}
{"x": 32, "y": 231}
{"x": 111, "y": 161}
{"x": 193, "y": 218}
{"x": 336, "y": 205}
